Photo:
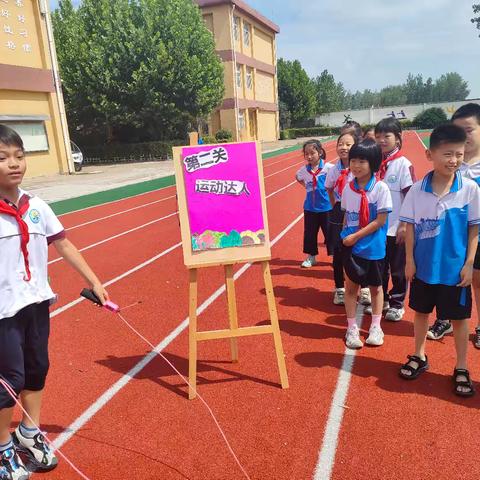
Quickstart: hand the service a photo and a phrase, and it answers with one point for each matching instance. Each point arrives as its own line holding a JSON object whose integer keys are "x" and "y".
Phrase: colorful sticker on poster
{"x": 223, "y": 196}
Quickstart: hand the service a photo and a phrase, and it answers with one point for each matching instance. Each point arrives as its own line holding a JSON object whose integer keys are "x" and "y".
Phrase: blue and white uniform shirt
{"x": 399, "y": 177}
{"x": 441, "y": 227}
{"x": 317, "y": 201}
{"x": 332, "y": 177}
{"x": 471, "y": 171}
{"x": 371, "y": 247}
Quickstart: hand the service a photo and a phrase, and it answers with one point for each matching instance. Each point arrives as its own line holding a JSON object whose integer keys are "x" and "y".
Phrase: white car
{"x": 77, "y": 156}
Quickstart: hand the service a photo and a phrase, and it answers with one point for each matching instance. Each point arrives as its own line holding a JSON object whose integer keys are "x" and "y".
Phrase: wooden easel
{"x": 234, "y": 331}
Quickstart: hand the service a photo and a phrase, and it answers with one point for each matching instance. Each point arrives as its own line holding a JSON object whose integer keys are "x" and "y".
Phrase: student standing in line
{"x": 27, "y": 226}
{"x": 468, "y": 118}
{"x": 367, "y": 203}
{"x": 442, "y": 213}
{"x": 317, "y": 203}
{"x": 398, "y": 174}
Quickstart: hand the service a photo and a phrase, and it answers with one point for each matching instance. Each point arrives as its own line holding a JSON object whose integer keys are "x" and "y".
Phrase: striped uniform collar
{"x": 457, "y": 183}
{"x": 369, "y": 186}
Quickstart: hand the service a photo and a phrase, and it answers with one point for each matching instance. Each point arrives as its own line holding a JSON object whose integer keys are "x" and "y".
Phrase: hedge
{"x": 129, "y": 152}
{"x": 320, "y": 131}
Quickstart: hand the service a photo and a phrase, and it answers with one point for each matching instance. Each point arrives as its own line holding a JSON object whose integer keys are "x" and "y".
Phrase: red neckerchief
{"x": 314, "y": 175}
{"x": 341, "y": 180}
{"x": 364, "y": 213}
{"x": 18, "y": 213}
{"x": 390, "y": 158}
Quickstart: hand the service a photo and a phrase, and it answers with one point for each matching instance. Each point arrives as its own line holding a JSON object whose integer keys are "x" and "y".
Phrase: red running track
{"x": 148, "y": 430}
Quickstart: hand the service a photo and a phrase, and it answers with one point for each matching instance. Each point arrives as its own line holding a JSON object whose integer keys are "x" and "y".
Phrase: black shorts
{"x": 454, "y": 303}
{"x": 476, "y": 262}
{"x": 362, "y": 271}
{"x": 335, "y": 226}
{"x": 24, "y": 350}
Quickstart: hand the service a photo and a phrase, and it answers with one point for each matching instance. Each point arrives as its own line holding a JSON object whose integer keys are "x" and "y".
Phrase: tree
{"x": 450, "y": 87}
{"x": 330, "y": 95}
{"x": 145, "y": 69}
{"x": 295, "y": 90}
{"x": 430, "y": 118}
{"x": 476, "y": 9}
{"x": 392, "y": 95}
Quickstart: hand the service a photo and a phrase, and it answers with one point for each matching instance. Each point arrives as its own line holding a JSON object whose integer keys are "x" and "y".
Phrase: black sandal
{"x": 415, "y": 372}
{"x": 476, "y": 338}
{"x": 463, "y": 383}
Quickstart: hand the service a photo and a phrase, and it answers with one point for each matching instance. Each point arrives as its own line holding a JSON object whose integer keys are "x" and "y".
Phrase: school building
{"x": 29, "y": 97}
{"x": 245, "y": 41}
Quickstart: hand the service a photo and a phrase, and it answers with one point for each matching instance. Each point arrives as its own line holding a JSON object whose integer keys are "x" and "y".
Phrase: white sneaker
{"x": 36, "y": 449}
{"x": 339, "y": 296}
{"x": 352, "y": 337}
{"x": 368, "y": 310}
{"x": 375, "y": 336}
{"x": 364, "y": 297}
{"x": 310, "y": 261}
{"x": 394, "y": 314}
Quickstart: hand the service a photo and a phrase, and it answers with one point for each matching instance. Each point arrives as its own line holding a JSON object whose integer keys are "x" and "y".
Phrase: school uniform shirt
{"x": 373, "y": 246}
{"x": 332, "y": 177}
{"x": 317, "y": 201}
{"x": 441, "y": 227}
{"x": 399, "y": 176}
{"x": 43, "y": 227}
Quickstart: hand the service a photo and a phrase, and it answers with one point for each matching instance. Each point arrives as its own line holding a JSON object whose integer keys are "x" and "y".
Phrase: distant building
{"x": 28, "y": 98}
{"x": 245, "y": 41}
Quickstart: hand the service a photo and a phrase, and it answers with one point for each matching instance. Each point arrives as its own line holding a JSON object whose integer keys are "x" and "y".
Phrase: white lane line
{"x": 125, "y": 379}
{"x": 326, "y": 457}
{"x": 119, "y": 213}
{"x": 59, "y": 259}
{"x": 283, "y": 169}
{"x": 60, "y": 310}
{"x": 420, "y": 140}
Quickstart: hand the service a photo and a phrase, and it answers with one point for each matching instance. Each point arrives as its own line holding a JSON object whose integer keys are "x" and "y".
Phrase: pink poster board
{"x": 223, "y": 196}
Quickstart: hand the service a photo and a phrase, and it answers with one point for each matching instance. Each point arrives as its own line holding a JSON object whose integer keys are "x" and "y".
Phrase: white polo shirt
{"x": 398, "y": 177}
{"x": 43, "y": 226}
{"x": 373, "y": 246}
{"x": 441, "y": 227}
{"x": 332, "y": 177}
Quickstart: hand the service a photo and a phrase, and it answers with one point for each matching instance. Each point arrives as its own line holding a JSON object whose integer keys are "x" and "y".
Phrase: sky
{"x": 375, "y": 43}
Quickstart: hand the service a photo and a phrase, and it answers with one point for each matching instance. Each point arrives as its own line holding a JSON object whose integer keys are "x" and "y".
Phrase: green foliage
{"x": 295, "y": 90}
{"x": 430, "y": 118}
{"x": 329, "y": 95}
{"x": 450, "y": 87}
{"x": 209, "y": 139}
{"x": 140, "y": 70}
{"x": 130, "y": 152}
{"x": 319, "y": 131}
{"x": 476, "y": 20}
{"x": 224, "y": 135}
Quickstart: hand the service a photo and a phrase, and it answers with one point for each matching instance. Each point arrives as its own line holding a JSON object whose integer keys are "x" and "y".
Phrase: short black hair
{"x": 447, "y": 133}
{"x": 367, "y": 150}
{"x": 390, "y": 125}
{"x": 466, "y": 111}
{"x": 318, "y": 147}
{"x": 352, "y": 127}
{"x": 8, "y": 136}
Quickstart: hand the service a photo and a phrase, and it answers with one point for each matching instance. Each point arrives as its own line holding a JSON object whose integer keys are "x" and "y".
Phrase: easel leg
{"x": 274, "y": 320}
{"x": 232, "y": 309}
{"x": 192, "y": 335}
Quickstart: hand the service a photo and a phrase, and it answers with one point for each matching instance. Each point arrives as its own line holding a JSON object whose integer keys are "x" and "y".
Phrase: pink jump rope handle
{"x": 90, "y": 295}
{"x": 113, "y": 307}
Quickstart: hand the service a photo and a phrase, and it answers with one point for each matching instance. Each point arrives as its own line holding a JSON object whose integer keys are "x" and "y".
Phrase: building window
{"x": 241, "y": 119}
{"x": 239, "y": 76}
{"x": 246, "y": 34}
{"x": 249, "y": 79}
{"x": 236, "y": 28}
{"x": 33, "y": 134}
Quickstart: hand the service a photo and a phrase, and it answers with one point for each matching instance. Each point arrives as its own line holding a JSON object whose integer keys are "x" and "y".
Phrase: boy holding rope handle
{"x": 27, "y": 227}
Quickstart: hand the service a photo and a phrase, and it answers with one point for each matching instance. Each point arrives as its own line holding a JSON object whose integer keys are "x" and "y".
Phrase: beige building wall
{"x": 250, "y": 106}
{"x": 28, "y": 102}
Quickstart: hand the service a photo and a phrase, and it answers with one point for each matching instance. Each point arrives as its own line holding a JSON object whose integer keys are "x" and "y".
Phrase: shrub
{"x": 430, "y": 118}
{"x": 319, "y": 131}
{"x": 224, "y": 135}
{"x": 209, "y": 139}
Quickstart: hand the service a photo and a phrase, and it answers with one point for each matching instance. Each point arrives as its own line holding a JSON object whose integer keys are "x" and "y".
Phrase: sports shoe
{"x": 375, "y": 336}
{"x": 339, "y": 296}
{"x": 439, "y": 329}
{"x": 36, "y": 449}
{"x": 364, "y": 297}
{"x": 368, "y": 310}
{"x": 310, "y": 261}
{"x": 394, "y": 314}
{"x": 476, "y": 338}
{"x": 11, "y": 466}
{"x": 352, "y": 337}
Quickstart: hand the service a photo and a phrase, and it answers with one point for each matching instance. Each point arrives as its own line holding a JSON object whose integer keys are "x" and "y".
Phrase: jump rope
{"x": 114, "y": 308}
